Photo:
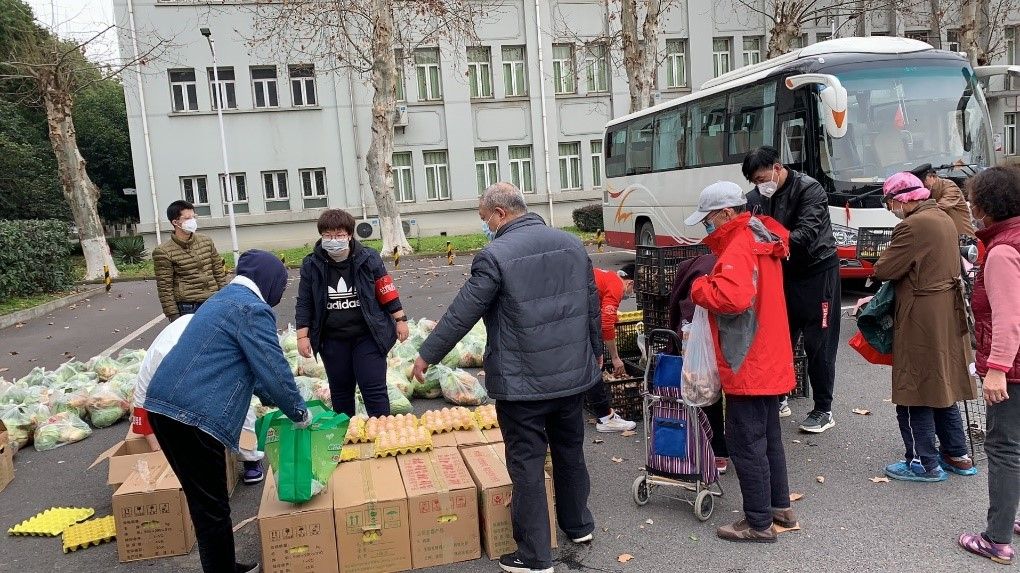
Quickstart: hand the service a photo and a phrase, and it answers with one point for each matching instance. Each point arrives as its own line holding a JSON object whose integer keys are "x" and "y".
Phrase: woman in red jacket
{"x": 995, "y": 203}
{"x": 747, "y": 311}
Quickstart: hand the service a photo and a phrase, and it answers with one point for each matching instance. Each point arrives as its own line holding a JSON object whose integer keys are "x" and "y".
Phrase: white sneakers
{"x": 614, "y": 423}
{"x": 784, "y": 409}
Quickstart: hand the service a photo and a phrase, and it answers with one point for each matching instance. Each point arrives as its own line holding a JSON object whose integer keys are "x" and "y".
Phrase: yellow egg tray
{"x": 418, "y": 447}
{"x": 467, "y": 426}
{"x": 88, "y": 533}
{"x": 52, "y": 522}
{"x": 482, "y": 425}
{"x": 349, "y": 454}
{"x": 630, "y": 316}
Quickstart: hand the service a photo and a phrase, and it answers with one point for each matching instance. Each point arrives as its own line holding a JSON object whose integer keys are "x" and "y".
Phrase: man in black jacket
{"x": 535, "y": 289}
{"x": 811, "y": 273}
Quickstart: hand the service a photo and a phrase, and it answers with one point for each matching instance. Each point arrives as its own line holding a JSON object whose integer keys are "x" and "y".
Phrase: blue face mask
{"x": 709, "y": 227}
{"x": 489, "y": 233}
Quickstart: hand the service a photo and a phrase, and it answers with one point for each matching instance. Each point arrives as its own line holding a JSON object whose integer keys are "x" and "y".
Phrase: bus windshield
{"x": 902, "y": 116}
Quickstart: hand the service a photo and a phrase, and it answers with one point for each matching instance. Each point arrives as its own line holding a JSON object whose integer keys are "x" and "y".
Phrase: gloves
{"x": 306, "y": 419}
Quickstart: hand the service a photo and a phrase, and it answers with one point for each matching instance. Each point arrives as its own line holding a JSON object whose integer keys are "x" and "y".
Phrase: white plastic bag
{"x": 700, "y": 385}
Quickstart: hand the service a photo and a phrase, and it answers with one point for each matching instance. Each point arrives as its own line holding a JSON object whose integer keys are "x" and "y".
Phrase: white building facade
{"x": 297, "y": 132}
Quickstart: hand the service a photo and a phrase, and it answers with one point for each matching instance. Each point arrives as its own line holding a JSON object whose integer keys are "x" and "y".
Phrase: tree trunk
{"x": 380, "y": 151}
{"x": 81, "y": 193}
{"x": 650, "y": 52}
{"x": 935, "y": 24}
{"x": 969, "y": 31}
{"x": 861, "y": 27}
{"x": 784, "y": 29}
{"x": 633, "y": 56}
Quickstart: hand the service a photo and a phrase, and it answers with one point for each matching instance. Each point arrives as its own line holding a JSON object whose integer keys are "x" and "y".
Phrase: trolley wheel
{"x": 704, "y": 503}
{"x": 641, "y": 490}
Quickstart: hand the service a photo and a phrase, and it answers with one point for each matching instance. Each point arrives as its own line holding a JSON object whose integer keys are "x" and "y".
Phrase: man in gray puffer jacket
{"x": 534, "y": 287}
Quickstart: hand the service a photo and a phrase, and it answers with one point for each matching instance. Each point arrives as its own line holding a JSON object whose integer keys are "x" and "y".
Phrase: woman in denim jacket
{"x": 200, "y": 393}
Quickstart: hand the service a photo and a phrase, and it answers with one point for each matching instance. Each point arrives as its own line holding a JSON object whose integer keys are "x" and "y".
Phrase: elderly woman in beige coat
{"x": 931, "y": 343}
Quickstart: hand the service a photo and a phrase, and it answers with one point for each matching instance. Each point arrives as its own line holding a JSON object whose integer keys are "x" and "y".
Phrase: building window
{"x": 302, "y": 85}
{"x": 752, "y": 51}
{"x": 183, "y": 91}
{"x": 1009, "y": 134}
{"x": 437, "y": 176}
{"x": 799, "y": 42}
{"x": 480, "y": 71}
{"x": 676, "y": 64}
{"x": 953, "y": 40}
{"x": 426, "y": 63}
{"x": 399, "y": 57}
{"x": 823, "y": 36}
{"x": 598, "y": 69}
{"x": 274, "y": 186}
{"x": 486, "y": 167}
{"x": 194, "y": 191}
{"x": 921, "y": 35}
{"x": 520, "y": 168}
{"x": 226, "y": 75}
{"x": 515, "y": 72}
{"x": 263, "y": 83}
{"x": 596, "y": 163}
{"x": 313, "y": 187}
{"x": 240, "y": 187}
{"x": 563, "y": 69}
{"x": 721, "y": 56}
{"x": 403, "y": 189}
{"x": 570, "y": 165}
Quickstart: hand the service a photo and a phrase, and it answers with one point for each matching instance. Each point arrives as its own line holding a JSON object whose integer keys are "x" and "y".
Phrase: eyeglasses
{"x": 339, "y": 236}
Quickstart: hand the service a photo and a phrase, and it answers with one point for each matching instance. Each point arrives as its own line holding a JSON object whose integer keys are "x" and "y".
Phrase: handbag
{"x": 302, "y": 458}
{"x": 875, "y": 325}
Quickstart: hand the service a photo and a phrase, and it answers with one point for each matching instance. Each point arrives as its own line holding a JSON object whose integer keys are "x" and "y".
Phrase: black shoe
{"x": 246, "y": 568}
{"x": 817, "y": 422}
{"x": 512, "y": 564}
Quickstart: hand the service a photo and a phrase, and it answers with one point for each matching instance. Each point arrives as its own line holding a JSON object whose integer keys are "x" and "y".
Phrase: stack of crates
{"x": 654, "y": 275}
{"x": 625, "y": 392}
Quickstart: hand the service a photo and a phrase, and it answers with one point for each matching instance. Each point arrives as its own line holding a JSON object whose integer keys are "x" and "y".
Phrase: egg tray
{"x": 51, "y": 522}
{"x": 88, "y": 533}
{"x": 348, "y": 454}
{"x": 467, "y": 426}
{"x": 482, "y": 425}
{"x": 417, "y": 447}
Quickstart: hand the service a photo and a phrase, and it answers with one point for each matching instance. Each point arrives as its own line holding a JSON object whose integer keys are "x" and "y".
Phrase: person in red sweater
{"x": 747, "y": 313}
{"x": 613, "y": 287}
{"x": 995, "y": 204}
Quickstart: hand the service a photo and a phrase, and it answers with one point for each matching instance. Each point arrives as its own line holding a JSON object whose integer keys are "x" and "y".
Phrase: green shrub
{"x": 588, "y": 218}
{"x": 128, "y": 250}
{"x": 34, "y": 257}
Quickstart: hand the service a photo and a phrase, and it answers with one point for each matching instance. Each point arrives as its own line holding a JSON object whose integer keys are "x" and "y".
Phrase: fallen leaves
{"x": 781, "y": 529}
{"x": 820, "y": 479}
{"x": 796, "y": 496}
{"x": 879, "y": 479}
{"x": 625, "y": 557}
{"x": 19, "y": 325}
{"x": 861, "y": 411}
{"x": 618, "y": 460}
{"x": 628, "y": 433}
{"x": 598, "y": 441}
{"x": 649, "y": 521}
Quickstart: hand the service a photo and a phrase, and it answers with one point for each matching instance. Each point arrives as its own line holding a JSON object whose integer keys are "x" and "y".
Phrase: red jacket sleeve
{"x": 732, "y": 285}
{"x": 610, "y": 297}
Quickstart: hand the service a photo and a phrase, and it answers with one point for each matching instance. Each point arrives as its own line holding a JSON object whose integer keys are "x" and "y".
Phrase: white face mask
{"x": 190, "y": 225}
{"x": 769, "y": 188}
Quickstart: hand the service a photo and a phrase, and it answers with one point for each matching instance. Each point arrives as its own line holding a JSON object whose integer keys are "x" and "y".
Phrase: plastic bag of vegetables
{"x": 36, "y": 413}
{"x": 68, "y": 370}
{"x": 288, "y": 340}
{"x": 36, "y": 395}
{"x": 73, "y": 400}
{"x": 462, "y": 389}
{"x": 400, "y": 382}
{"x": 59, "y": 430}
{"x": 473, "y": 351}
{"x": 123, "y": 383}
{"x": 34, "y": 378}
{"x": 105, "y": 367}
{"x": 431, "y": 387}
{"x": 399, "y": 404}
{"x": 106, "y": 407}
{"x": 19, "y": 425}
{"x": 306, "y": 387}
{"x": 128, "y": 358}
{"x": 453, "y": 359}
{"x": 320, "y": 391}
{"x": 311, "y": 367}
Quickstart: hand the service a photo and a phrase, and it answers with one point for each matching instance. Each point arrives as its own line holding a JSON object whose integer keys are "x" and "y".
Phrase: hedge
{"x": 34, "y": 257}
{"x": 588, "y": 218}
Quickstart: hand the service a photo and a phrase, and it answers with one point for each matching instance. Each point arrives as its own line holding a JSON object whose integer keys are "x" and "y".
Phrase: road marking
{"x": 123, "y": 341}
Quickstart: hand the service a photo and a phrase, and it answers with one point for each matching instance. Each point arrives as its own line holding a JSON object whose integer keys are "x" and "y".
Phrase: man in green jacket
{"x": 188, "y": 267}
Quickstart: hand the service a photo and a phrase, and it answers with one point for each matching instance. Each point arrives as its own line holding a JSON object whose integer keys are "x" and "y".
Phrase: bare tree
{"x": 983, "y": 28}
{"x": 362, "y": 37}
{"x": 48, "y": 71}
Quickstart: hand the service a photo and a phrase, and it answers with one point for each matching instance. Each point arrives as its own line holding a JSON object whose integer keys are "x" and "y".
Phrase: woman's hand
{"x": 995, "y": 387}
{"x": 402, "y": 330}
{"x": 304, "y": 347}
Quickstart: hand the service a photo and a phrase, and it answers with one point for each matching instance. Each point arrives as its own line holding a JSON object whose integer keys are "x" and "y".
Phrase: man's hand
{"x": 304, "y": 347}
{"x": 618, "y": 369}
{"x": 601, "y": 360}
{"x": 306, "y": 419}
{"x": 420, "y": 366}
{"x": 402, "y": 330}
{"x": 995, "y": 387}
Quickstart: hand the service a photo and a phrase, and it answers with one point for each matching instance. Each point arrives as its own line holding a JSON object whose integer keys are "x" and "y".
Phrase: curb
{"x": 46, "y": 308}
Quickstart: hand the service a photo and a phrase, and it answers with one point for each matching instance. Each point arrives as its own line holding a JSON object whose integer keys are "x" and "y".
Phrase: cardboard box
{"x": 126, "y": 456}
{"x": 6, "y": 458}
{"x": 468, "y": 438}
{"x": 365, "y": 451}
{"x": 495, "y": 493}
{"x": 152, "y": 516}
{"x": 370, "y": 512}
{"x": 444, "y": 440}
{"x": 550, "y": 488}
{"x": 493, "y": 435}
{"x": 296, "y": 538}
{"x": 443, "y": 504}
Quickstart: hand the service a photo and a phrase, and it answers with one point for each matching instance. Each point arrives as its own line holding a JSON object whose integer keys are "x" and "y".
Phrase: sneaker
{"x": 614, "y": 423}
{"x": 245, "y": 568}
{"x": 784, "y": 409}
{"x": 722, "y": 464}
{"x": 253, "y": 473}
{"x": 978, "y": 544}
{"x": 741, "y": 531}
{"x": 903, "y": 471}
{"x": 583, "y": 539}
{"x": 512, "y": 564}
{"x": 817, "y": 422}
{"x": 961, "y": 466}
{"x": 785, "y": 518}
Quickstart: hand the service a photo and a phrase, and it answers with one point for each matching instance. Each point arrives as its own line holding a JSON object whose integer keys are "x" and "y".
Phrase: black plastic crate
{"x": 655, "y": 267}
{"x": 872, "y": 241}
{"x": 625, "y": 393}
{"x": 656, "y": 317}
{"x": 626, "y": 339}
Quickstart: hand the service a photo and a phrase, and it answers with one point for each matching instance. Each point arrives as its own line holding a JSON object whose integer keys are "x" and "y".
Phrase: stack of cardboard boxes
{"x": 394, "y": 514}
{"x": 6, "y": 458}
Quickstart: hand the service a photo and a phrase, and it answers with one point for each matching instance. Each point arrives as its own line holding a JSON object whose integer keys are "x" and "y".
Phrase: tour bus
{"x": 848, "y": 112}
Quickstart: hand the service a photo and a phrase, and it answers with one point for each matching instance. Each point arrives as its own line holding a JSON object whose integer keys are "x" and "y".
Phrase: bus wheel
{"x": 646, "y": 234}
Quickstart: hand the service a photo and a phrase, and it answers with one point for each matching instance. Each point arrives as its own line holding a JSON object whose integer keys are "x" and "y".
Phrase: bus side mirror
{"x": 983, "y": 72}
{"x": 834, "y": 100}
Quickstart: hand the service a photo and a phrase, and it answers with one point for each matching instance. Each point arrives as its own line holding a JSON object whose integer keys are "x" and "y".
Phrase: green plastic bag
{"x": 877, "y": 320}
{"x": 302, "y": 458}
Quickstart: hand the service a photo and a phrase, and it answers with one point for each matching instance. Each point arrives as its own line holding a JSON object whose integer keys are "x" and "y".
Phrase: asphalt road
{"x": 849, "y": 523}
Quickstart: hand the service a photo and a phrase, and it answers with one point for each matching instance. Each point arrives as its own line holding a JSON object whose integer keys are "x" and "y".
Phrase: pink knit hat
{"x": 905, "y": 187}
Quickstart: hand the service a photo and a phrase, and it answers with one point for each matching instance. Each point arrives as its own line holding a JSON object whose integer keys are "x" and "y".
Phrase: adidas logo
{"x": 343, "y": 297}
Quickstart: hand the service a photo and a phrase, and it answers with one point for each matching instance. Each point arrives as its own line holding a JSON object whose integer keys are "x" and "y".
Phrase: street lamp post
{"x": 228, "y": 182}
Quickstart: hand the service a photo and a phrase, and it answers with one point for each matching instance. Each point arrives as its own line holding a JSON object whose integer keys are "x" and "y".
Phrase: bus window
{"x": 751, "y": 118}
{"x": 708, "y": 131}
{"x": 792, "y": 136}
{"x": 669, "y": 133}
{"x": 639, "y": 146}
{"x": 616, "y": 152}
